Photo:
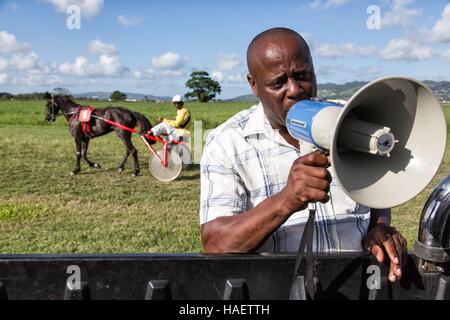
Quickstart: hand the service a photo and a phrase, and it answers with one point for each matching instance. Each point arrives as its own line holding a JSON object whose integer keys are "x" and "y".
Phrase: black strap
{"x": 306, "y": 241}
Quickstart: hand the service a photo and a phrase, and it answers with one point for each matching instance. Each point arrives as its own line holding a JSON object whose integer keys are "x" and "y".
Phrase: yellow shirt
{"x": 182, "y": 119}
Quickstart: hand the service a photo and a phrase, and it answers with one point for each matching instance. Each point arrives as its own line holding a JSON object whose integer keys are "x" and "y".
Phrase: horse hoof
{"x": 121, "y": 170}
{"x": 135, "y": 174}
{"x": 73, "y": 173}
{"x": 97, "y": 166}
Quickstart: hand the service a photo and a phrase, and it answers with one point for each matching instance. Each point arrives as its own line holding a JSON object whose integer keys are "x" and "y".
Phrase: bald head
{"x": 266, "y": 45}
{"x": 281, "y": 73}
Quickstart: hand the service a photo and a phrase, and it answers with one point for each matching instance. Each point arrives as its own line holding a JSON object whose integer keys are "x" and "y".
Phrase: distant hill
{"x": 325, "y": 90}
{"x": 102, "y": 95}
{"x": 244, "y": 98}
{"x": 344, "y": 91}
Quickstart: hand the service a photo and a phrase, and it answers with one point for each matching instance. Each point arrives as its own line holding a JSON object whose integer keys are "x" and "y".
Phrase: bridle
{"x": 52, "y": 110}
{"x": 53, "y": 106}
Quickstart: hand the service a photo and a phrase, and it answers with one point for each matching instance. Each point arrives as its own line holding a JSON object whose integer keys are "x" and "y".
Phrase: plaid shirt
{"x": 245, "y": 161}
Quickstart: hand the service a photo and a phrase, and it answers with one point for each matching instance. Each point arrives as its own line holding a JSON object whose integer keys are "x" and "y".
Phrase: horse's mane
{"x": 65, "y": 99}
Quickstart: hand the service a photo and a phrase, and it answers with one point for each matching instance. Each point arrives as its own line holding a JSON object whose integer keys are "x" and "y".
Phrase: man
{"x": 257, "y": 181}
{"x": 177, "y": 128}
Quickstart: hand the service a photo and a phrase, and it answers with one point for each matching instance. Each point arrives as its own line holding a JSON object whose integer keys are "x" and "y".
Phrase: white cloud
{"x": 144, "y": 74}
{"x": 172, "y": 73}
{"x": 9, "y": 43}
{"x": 217, "y": 75}
{"x": 236, "y": 78}
{"x": 110, "y": 65}
{"x": 106, "y": 66}
{"x": 129, "y": 22}
{"x": 97, "y": 47}
{"x": 370, "y": 70}
{"x": 227, "y": 62}
{"x": 325, "y": 4}
{"x": 4, "y": 79}
{"x": 441, "y": 30}
{"x": 24, "y": 61}
{"x": 168, "y": 61}
{"x": 89, "y": 8}
{"x": 3, "y": 64}
{"x": 406, "y": 50}
{"x": 400, "y": 14}
{"x": 39, "y": 80}
{"x": 334, "y": 51}
{"x": 79, "y": 68}
{"x": 167, "y": 65}
{"x": 359, "y": 51}
{"x": 343, "y": 73}
{"x": 446, "y": 55}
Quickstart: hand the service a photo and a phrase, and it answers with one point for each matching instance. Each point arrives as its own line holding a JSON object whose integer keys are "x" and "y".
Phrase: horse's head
{"x": 52, "y": 107}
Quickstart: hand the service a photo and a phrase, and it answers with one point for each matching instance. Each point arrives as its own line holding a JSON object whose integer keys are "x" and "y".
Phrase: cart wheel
{"x": 169, "y": 173}
{"x": 185, "y": 154}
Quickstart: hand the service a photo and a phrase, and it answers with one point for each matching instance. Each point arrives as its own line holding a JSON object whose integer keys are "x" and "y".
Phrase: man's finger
{"x": 377, "y": 251}
{"x": 392, "y": 272}
{"x": 400, "y": 252}
{"x": 317, "y": 195}
{"x": 315, "y": 159}
{"x": 389, "y": 245}
{"x": 318, "y": 183}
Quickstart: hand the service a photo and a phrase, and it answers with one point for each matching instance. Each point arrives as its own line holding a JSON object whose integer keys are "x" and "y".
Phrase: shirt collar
{"x": 256, "y": 122}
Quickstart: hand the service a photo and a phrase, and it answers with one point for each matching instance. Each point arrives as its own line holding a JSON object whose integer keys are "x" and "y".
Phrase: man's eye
{"x": 303, "y": 75}
{"x": 278, "y": 84}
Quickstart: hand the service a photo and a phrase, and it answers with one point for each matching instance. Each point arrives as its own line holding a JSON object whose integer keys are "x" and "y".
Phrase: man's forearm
{"x": 247, "y": 231}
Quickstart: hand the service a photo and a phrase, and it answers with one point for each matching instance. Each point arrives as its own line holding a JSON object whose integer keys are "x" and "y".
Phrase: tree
{"x": 203, "y": 87}
{"x": 62, "y": 91}
{"x": 117, "y": 95}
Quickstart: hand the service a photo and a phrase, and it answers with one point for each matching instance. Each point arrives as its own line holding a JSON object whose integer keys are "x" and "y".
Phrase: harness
{"x": 85, "y": 115}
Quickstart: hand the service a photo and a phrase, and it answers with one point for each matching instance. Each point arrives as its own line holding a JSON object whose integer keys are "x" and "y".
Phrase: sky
{"x": 151, "y": 47}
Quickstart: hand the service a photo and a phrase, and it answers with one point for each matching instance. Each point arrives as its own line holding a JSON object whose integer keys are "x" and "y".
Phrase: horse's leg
{"x": 84, "y": 149}
{"x": 134, "y": 152}
{"x": 125, "y": 136}
{"x": 77, "y": 164}
{"x": 122, "y": 137}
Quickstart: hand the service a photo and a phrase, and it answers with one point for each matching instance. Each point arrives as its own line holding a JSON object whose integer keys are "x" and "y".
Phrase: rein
{"x": 64, "y": 113}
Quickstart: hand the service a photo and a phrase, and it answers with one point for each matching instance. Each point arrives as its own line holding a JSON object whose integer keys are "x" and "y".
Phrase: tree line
{"x": 202, "y": 88}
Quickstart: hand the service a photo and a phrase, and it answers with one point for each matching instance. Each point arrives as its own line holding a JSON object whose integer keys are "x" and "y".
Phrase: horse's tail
{"x": 144, "y": 125}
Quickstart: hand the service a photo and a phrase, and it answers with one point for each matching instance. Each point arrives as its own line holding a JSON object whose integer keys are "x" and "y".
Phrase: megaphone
{"x": 386, "y": 143}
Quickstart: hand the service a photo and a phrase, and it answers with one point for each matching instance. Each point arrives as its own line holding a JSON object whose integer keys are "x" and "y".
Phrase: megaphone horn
{"x": 386, "y": 143}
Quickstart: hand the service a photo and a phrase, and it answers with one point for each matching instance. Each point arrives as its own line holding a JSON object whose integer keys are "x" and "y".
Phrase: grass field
{"x": 44, "y": 210}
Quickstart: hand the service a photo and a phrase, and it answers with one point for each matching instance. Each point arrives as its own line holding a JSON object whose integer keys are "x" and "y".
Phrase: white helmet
{"x": 177, "y": 98}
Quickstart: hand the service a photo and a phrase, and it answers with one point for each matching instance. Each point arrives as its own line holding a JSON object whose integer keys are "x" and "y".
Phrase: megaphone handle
{"x": 312, "y": 207}
{"x": 306, "y": 241}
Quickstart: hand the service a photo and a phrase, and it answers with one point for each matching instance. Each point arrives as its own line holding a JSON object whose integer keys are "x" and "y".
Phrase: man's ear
{"x": 253, "y": 84}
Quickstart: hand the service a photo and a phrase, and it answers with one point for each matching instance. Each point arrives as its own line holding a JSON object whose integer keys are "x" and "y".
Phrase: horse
{"x": 123, "y": 116}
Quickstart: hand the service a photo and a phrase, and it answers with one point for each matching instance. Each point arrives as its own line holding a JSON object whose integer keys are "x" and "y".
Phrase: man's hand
{"x": 308, "y": 181}
{"x": 383, "y": 239}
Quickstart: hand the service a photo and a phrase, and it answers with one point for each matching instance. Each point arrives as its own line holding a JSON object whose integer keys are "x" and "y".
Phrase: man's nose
{"x": 295, "y": 91}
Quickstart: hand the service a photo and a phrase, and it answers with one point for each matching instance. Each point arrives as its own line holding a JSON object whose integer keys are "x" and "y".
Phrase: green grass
{"x": 44, "y": 210}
